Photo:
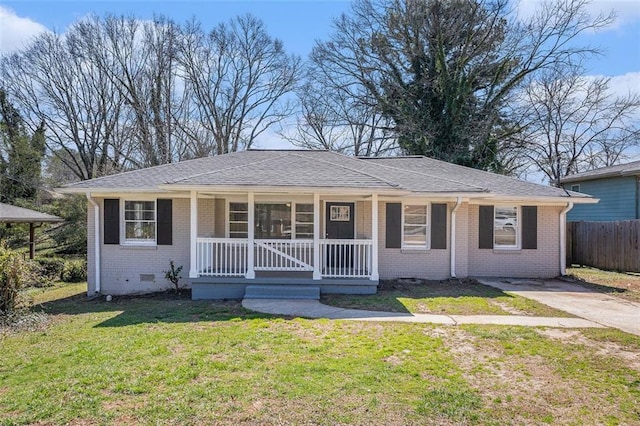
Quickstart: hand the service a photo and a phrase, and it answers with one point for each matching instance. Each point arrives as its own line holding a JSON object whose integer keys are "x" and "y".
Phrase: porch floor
{"x": 235, "y": 287}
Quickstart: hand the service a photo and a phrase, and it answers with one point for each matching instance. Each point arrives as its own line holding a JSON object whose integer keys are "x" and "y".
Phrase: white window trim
{"x": 228, "y": 219}
{"x": 123, "y": 224}
{"x": 427, "y": 244}
{"x": 518, "y": 228}
{"x": 280, "y": 201}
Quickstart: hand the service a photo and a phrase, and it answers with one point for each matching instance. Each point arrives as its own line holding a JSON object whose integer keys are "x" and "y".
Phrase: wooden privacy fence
{"x": 605, "y": 245}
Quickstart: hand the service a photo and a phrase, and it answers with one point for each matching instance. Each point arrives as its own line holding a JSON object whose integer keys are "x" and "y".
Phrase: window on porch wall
{"x": 272, "y": 220}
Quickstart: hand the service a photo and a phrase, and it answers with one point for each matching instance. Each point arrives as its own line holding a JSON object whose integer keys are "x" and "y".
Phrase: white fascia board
{"x": 284, "y": 189}
{"x": 539, "y": 201}
{"x": 96, "y": 190}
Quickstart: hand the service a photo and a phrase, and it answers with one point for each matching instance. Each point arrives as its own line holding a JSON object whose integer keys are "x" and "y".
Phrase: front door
{"x": 339, "y": 224}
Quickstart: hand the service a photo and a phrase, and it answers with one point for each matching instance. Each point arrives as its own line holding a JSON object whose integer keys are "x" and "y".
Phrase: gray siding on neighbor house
{"x": 618, "y": 199}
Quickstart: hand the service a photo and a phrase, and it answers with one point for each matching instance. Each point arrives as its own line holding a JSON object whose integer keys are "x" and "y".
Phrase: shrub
{"x": 49, "y": 268}
{"x": 74, "y": 271}
{"x": 13, "y": 272}
{"x": 173, "y": 275}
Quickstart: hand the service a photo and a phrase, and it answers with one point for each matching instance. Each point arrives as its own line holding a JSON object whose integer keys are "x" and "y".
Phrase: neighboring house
{"x": 617, "y": 187}
{"x": 317, "y": 218}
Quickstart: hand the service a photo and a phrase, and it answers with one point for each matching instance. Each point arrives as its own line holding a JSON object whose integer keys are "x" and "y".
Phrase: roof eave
{"x": 284, "y": 188}
{"x": 535, "y": 200}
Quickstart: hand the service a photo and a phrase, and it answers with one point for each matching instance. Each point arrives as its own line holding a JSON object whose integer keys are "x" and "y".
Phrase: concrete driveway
{"x": 601, "y": 308}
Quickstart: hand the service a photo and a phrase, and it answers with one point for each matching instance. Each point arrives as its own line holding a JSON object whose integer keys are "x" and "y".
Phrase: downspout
{"x": 453, "y": 236}
{"x": 563, "y": 238}
{"x": 96, "y": 240}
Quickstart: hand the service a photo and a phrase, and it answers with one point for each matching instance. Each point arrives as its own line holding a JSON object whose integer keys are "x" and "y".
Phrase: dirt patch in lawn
{"x": 521, "y": 387}
{"x": 609, "y": 349}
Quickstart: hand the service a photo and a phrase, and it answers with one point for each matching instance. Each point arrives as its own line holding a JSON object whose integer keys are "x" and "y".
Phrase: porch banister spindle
{"x": 251, "y": 273}
{"x": 374, "y": 238}
{"x": 317, "y": 274}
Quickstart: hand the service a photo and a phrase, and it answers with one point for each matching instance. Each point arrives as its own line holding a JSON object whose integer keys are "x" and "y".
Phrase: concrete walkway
{"x": 315, "y": 309}
{"x": 597, "y": 307}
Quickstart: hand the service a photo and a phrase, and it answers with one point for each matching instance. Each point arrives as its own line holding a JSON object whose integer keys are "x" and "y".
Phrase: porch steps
{"x": 282, "y": 292}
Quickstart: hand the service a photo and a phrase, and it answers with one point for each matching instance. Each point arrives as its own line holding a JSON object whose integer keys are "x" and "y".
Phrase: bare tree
{"x": 443, "y": 71}
{"x": 54, "y": 81}
{"x": 139, "y": 57}
{"x": 238, "y": 78}
{"x": 576, "y": 124}
{"x": 331, "y": 120}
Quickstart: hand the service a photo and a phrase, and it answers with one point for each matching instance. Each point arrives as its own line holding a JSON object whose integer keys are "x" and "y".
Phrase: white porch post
{"x": 193, "y": 225}
{"x": 317, "y": 275}
{"x": 374, "y": 238}
{"x": 251, "y": 273}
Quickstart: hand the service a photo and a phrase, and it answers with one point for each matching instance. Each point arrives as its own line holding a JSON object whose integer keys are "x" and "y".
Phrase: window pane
{"x": 415, "y": 235}
{"x": 238, "y": 217}
{"x": 304, "y": 208}
{"x": 273, "y": 221}
{"x": 140, "y": 230}
{"x": 238, "y": 227}
{"x": 304, "y": 229}
{"x": 304, "y": 218}
{"x": 238, "y": 207}
{"x": 505, "y": 226}
{"x": 408, "y": 209}
{"x": 415, "y": 219}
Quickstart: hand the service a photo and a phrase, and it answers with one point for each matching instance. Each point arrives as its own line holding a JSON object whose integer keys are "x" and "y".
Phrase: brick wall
{"x": 398, "y": 263}
{"x": 543, "y": 262}
{"x": 129, "y": 269}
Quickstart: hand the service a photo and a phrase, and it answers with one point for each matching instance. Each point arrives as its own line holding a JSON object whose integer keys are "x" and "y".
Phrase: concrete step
{"x": 282, "y": 292}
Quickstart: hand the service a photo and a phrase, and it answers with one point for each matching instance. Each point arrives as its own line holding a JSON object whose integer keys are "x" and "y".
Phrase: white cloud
{"x": 15, "y": 31}
{"x": 622, "y": 85}
{"x": 627, "y": 11}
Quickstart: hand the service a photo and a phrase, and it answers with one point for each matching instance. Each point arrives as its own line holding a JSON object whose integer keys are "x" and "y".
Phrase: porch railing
{"x": 284, "y": 255}
{"x": 346, "y": 258}
{"x": 221, "y": 257}
{"x": 227, "y": 257}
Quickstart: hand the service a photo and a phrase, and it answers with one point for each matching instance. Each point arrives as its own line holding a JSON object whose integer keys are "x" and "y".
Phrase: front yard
{"x": 620, "y": 284}
{"x": 165, "y": 359}
{"x": 452, "y": 297}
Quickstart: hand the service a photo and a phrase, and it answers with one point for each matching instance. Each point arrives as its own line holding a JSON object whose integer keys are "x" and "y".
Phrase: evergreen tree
{"x": 20, "y": 154}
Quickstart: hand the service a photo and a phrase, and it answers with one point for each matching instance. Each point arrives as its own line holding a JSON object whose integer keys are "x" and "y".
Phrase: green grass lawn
{"x": 453, "y": 297}
{"x": 165, "y": 359}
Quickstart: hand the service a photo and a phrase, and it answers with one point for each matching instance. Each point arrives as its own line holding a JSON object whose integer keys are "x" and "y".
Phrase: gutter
{"x": 453, "y": 236}
{"x": 96, "y": 240}
{"x": 563, "y": 238}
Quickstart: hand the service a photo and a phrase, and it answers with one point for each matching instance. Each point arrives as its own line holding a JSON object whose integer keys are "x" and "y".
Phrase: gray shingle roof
{"x": 628, "y": 169}
{"x": 320, "y": 169}
{"x": 14, "y": 214}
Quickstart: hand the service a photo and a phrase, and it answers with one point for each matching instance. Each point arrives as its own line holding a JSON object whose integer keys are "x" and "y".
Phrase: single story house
{"x": 319, "y": 219}
{"x": 617, "y": 187}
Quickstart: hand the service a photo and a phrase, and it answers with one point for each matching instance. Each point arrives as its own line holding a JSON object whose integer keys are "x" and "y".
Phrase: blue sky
{"x": 299, "y": 22}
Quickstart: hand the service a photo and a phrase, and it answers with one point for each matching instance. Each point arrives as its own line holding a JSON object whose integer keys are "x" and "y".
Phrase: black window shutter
{"x": 438, "y": 226}
{"x": 165, "y": 222}
{"x": 529, "y": 227}
{"x": 112, "y": 221}
{"x": 485, "y": 231}
{"x": 394, "y": 225}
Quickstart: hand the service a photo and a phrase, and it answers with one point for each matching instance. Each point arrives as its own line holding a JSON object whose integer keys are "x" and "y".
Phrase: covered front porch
{"x": 287, "y": 240}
